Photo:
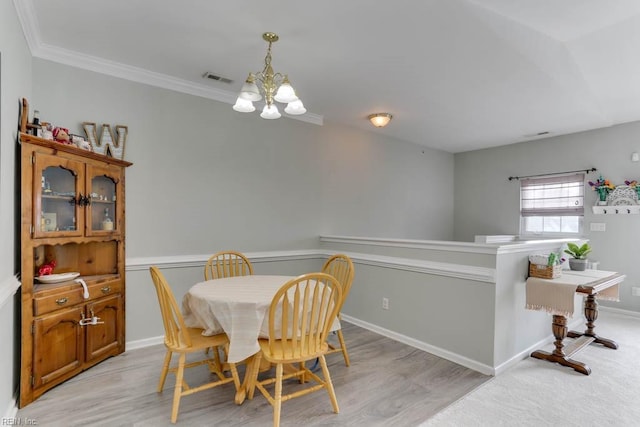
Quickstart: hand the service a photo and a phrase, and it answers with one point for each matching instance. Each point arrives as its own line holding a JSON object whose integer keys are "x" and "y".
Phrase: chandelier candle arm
{"x": 270, "y": 85}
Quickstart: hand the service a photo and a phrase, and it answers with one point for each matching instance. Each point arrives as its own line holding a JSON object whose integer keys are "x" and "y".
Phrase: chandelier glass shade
{"x": 380, "y": 120}
{"x": 272, "y": 86}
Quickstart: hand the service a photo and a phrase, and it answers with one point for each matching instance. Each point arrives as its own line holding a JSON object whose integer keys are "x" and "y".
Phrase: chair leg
{"x": 251, "y": 375}
{"x": 277, "y": 403}
{"x": 165, "y": 370}
{"x": 302, "y": 377}
{"x": 344, "y": 347}
{"x": 216, "y": 357}
{"x": 329, "y": 384}
{"x": 177, "y": 392}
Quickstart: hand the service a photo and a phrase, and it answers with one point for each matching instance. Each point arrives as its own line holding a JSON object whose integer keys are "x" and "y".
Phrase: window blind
{"x": 552, "y": 196}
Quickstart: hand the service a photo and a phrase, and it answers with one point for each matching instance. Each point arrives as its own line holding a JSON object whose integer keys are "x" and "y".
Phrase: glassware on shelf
{"x": 107, "y": 223}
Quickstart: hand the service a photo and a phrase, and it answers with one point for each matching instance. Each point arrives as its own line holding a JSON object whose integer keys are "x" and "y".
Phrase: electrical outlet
{"x": 598, "y": 226}
{"x": 635, "y": 291}
{"x": 385, "y": 303}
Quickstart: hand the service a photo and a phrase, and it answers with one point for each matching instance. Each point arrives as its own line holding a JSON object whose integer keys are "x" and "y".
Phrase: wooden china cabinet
{"x": 72, "y": 213}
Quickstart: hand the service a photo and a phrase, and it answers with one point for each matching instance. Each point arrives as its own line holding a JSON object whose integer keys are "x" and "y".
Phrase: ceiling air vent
{"x": 534, "y": 135}
{"x": 212, "y": 76}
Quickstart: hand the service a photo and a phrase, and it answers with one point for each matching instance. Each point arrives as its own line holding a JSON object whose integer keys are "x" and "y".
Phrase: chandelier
{"x": 273, "y": 86}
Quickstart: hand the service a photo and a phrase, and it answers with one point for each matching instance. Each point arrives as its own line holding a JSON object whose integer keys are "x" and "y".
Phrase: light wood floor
{"x": 387, "y": 384}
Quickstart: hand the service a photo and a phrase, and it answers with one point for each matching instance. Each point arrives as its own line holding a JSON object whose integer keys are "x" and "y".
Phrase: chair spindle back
{"x": 301, "y": 314}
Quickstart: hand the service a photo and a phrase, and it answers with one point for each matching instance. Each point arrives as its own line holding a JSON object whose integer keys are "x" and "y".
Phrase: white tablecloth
{"x": 235, "y": 305}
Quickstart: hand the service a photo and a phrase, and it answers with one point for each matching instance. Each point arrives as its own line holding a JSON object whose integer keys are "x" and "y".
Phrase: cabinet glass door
{"x": 104, "y": 190}
{"x": 58, "y": 195}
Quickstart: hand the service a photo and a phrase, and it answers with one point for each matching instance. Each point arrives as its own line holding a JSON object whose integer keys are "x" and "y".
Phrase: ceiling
{"x": 457, "y": 75}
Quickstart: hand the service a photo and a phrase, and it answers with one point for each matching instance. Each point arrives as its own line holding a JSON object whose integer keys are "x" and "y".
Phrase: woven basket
{"x": 545, "y": 271}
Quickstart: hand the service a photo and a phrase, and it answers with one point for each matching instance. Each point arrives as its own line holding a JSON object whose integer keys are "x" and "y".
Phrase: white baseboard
{"x": 445, "y": 354}
{"x": 146, "y": 342}
{"x": 619, "y": 311}
{"x": 11, "y": 412}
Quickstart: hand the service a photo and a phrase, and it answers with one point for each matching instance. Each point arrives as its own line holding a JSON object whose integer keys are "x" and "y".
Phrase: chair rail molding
{"x": 8, "y": 287}
{"x": 497, "y": 248}
{"x": 480, "y": 274}
{"x": 199, "y": 260}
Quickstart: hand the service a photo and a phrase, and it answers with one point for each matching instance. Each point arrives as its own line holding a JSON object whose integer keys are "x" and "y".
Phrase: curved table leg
{"x": 591, "y": 314}
{"x": 559, "y": 327}
{"x": 563, "y": 360}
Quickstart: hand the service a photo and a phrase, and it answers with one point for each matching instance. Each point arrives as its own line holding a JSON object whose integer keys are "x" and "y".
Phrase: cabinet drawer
{"x": 52, "y": 302}
{"x": 70, "y": 296}
{"x": 103, "y": 288}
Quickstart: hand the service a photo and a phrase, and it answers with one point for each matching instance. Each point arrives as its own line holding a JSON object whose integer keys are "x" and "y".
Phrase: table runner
{"x": 556, "y": 296}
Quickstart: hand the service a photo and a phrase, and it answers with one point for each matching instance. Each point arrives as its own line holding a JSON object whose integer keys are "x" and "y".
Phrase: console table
{"x": 556, "y": 296}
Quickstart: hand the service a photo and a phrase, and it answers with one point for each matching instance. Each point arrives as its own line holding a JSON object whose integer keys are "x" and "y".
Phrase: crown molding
{"x": 29, "y": 21}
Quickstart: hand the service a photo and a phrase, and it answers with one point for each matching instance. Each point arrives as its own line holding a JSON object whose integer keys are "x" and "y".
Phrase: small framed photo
{"x": 50, "y": 221}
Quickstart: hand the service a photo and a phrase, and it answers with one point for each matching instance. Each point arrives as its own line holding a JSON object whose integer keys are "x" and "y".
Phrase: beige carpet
{"x": 540, "y": 393}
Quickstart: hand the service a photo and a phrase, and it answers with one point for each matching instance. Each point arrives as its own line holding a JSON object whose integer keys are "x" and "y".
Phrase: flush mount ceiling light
{"x": 380, "y": 120}
{"x": 273, "y": 86}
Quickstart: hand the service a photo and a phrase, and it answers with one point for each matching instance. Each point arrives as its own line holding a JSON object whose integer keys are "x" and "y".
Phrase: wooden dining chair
{"x": 227, "y": 264}
{"x": 183, "y": 340}
{"x": 340, "y": 266}
{"x": 300, "y": 316}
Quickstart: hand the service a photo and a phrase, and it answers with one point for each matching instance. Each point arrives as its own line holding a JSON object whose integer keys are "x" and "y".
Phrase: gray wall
{"x": 487, "y": 203}
{"x": 206, "y": 177}
{"x": 15, "y": 82}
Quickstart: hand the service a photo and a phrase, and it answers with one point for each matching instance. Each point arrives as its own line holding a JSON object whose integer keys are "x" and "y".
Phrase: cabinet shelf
{"x": 57, "y": 197}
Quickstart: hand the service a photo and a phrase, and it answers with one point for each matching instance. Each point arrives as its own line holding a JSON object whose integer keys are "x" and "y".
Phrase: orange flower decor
{"x": 603, "y": 187}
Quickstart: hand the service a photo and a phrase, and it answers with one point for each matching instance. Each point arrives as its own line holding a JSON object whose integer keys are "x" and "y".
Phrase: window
{"x": 552, "y": 205}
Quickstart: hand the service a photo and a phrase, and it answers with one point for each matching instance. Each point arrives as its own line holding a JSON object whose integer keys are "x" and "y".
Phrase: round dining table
{"x": 237, "y": 306}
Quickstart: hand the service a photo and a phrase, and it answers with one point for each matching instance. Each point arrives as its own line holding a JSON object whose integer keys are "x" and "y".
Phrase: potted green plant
{"x": 579, "y": 254}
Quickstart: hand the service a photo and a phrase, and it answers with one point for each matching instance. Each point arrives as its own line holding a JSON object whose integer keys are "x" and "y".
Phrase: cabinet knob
{"x": 62, "y": 301}
{"x": 106, "y": 289}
